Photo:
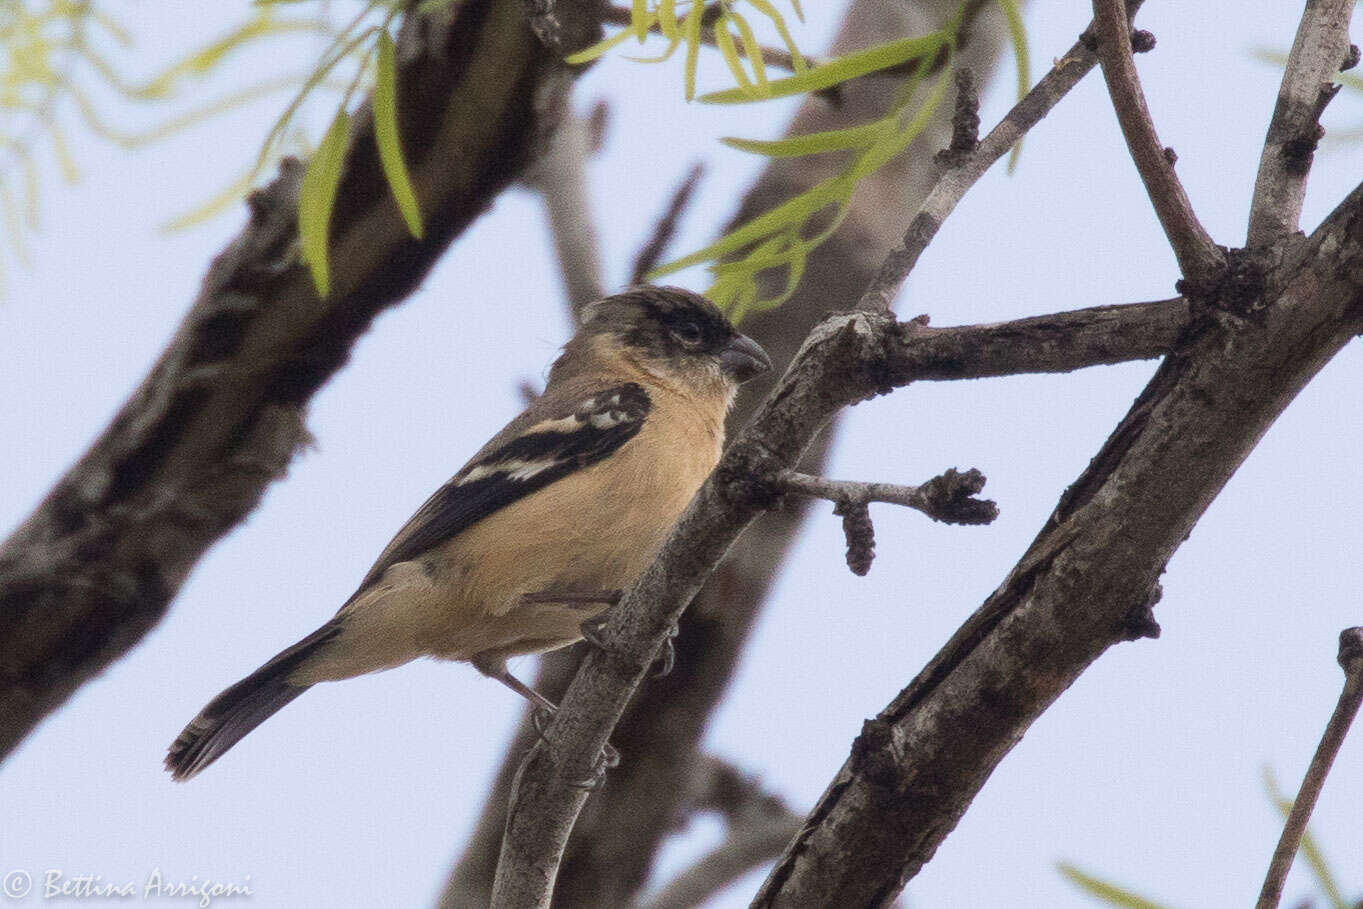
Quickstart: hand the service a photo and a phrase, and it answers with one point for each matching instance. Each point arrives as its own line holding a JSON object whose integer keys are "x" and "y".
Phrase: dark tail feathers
{"x": 242, "y": 707}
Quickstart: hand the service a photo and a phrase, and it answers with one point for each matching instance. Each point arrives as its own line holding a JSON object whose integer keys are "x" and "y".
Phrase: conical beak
{"x": 744, "y": 358}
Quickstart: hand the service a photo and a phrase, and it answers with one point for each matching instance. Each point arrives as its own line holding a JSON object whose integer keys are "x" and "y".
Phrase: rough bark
{"x": 222, "y": 412}
{"x": 1087, "y": 582}
{"x": 622, "y": 827}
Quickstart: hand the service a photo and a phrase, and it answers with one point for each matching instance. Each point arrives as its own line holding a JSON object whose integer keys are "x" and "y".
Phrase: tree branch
{"x": 965, "y": 170}
{"x": 1351, "y": 660}
{"x": 560, "y": 177}
{"x": 1319, "y": 50}
{"x": 221, "y": 413}
{"x": 945, "y": 498}
{"x": 846, "y": 358}
{"x": 652, "y": 252}
{"x": 748, "y": 845}
{"x": 623, "y": 826}
{"x": 1199, "y": 258}
{"x": 1087, "y": 582}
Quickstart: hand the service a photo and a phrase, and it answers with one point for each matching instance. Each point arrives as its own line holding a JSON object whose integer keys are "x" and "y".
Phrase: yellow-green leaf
{"x": 586, "y": 55}
{"x": 1108, "y": 893}
{"x": 1017, "y": 34}
{"x": 724, "y": 42}
{"x": 667, "y": 20}
{"x": 692, "y": 29}
{"x": 753, "y": 51}
{"x": 765, "y": 8}
{"x": 388, "y": 138}
{"x": 317, "y": 197}
{"x": 639, "y": 20}
{"x": 813, "y": 143}
{"x": 848, "y": 66}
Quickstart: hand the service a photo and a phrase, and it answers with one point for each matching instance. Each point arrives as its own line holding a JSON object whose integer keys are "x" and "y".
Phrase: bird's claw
{"x": 667, "y": 660}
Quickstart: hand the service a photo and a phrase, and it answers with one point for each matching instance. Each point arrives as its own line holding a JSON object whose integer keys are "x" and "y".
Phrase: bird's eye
{"x": 688, "y": 333}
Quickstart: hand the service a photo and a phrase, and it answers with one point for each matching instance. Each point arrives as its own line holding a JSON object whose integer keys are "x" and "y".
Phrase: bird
{"x": 571, "y": 500}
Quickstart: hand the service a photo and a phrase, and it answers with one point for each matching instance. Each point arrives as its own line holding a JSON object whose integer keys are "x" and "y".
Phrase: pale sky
{"x": 1147, "y": 772}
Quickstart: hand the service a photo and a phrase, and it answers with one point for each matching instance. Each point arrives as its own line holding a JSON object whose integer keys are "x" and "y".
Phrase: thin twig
{"x": 965, "y": 121}
{"x": 1320, "y": 48}
{"x": 1351, "y": 659}
{"x": 947, "y": 498}
{"x": 1199, "y": 258}
{"x": 957, "y": 180}
{"x": 666, "y": 228}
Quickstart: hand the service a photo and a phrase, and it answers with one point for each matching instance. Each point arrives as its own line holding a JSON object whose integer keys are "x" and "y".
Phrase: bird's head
{"x": 675, "y": 336}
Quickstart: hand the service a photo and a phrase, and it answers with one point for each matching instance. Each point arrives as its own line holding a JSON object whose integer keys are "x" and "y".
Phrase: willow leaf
{"x": 1017, "y": 34}
{"x": 792, "y": 211}
{"x": 1108, "y": 893}
{"x": 848, "y": 66}
{"x": 753, "y": 51}
{"x": 812, "y": 143}
{"x": 797, "y": 61}
{"x": 586, "y": 55}
{"x": 692, "y": 29}
{"x": 724, "y": 42}
{"x": 388, "y": 138}
{"x": 317, "y": 197}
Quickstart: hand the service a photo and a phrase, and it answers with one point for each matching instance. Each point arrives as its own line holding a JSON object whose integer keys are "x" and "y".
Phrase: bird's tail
{"x": 242, "y": 707}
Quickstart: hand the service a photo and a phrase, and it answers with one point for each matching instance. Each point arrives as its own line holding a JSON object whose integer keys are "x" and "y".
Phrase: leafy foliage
{"x": 779, "y": 241}
{"x": 60, "y": 70}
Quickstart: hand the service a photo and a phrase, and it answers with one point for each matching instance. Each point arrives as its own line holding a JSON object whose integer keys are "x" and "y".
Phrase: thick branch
{"x": 846, "y": 358}
{"x": 1087, "y": 582}
{"x": 1319, "y": 50}
{"x": 1351, "y": 660}
{"x": 1199, "y": 259}
{"x": 623, "y": 826}
{"x": 221, "y": 413}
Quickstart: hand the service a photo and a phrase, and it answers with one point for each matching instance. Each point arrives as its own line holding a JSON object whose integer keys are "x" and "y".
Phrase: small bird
{"x": 511, "y": 556}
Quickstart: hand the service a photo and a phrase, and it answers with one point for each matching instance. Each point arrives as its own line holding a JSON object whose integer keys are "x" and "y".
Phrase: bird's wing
{"x": 559, "y": 434}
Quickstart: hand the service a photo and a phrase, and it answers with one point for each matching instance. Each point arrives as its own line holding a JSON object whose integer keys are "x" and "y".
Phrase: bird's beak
{"x": 744, "y": 358}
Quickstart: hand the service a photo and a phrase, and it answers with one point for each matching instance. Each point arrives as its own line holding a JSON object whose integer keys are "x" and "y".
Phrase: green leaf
{"x": 724, "y": 42}
{"x": 223, "y": 200}
{"x": 792, "y": 211}
{"x": 317, "y": 197}
{"x": 1107, "y": 893}
{"x": 586, "y": 55}
{"x": 812, "y": 143}
{"x": 753, "y": 51}
{"x": 797, "y": 61}
{"x": 667, "y": 20}
{"x": 692, "y": 30}
{"x": 848, "y": 66}
{"x": 639, "y": 20}
{"x": 1017, "y": 34}
{"x": 388, "y": 138}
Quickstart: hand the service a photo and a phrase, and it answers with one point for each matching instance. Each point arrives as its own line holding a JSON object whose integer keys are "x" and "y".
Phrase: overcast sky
{"x": 1148, "y": 771}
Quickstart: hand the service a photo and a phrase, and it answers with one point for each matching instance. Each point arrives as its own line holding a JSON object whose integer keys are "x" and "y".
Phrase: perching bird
{"x": 574, "y": 496}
